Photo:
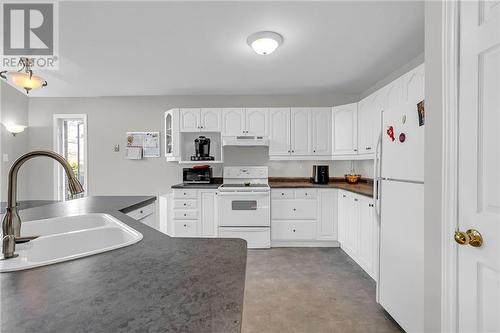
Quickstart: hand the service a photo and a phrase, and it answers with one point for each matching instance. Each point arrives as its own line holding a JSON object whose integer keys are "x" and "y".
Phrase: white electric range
{"x": 244, "y": 202}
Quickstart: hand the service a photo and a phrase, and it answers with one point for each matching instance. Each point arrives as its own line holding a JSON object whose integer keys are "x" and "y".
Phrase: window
{"x": 70, "y": 140}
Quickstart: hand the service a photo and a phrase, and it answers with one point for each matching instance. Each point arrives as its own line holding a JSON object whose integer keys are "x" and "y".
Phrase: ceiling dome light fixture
{"x": 24, "y": 77}
{"x": 264, "y": 42}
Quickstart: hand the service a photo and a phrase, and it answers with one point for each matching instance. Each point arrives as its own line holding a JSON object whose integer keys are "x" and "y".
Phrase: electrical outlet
{"x": 116, "y": 148}
{"x": 5, "y": 157}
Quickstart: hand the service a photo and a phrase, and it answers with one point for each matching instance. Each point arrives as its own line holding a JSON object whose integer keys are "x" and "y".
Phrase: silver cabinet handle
{"x": 294, "y": 209}
{"x": 370, "y": 205}
{"x": 355, "y": 150}
{"x": 355, "y": 199}
{"x": 368, "y": 148}
{"x": 294, "y": 230}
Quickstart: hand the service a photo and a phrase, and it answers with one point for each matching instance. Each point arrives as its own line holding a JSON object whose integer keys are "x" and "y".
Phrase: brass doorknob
{"x": 470, "y": 237}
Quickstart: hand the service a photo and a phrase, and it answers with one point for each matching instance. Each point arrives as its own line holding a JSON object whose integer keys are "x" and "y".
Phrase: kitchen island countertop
{"x": 159, "y": 284}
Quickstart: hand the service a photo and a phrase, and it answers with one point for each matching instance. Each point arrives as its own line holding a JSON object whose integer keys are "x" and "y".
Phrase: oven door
{"x": 244, "y": 209}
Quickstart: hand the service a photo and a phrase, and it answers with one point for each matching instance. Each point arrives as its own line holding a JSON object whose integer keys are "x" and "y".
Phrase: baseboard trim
{"x": 305, "y": 244}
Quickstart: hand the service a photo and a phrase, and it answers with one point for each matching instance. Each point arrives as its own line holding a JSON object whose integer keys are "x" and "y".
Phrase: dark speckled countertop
{"x": 160, "y": 284}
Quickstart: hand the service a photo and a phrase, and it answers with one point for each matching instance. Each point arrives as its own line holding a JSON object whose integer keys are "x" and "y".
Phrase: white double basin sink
{"x": 68, "y": 238}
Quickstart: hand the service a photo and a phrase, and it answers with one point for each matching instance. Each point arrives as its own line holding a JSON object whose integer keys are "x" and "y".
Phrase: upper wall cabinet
{"x": 345, "y": 129}
{"x": 171, "y": 123}
{"x": 369, "y": 120}
{"x": 279, "y": 132}
{"x": 300, "y": 133}
{"x": 249, "y": 121}
{"x": 200, "y": 120}
{"x": 321, "y": 131}
{"x": 413, "y": 85}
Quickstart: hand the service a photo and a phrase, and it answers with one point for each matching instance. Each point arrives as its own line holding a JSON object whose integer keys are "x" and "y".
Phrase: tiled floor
{"x": 310, "y": 290}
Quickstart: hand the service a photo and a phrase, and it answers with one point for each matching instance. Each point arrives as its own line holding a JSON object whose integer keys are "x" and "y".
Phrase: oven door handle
{"x": 241, "y": 194}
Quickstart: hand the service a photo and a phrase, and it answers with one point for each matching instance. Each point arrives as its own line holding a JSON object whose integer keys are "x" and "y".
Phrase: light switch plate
{"x": 5, "y": 157}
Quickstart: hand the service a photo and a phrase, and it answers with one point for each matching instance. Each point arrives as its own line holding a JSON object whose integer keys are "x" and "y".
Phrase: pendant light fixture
{"x": 264, "y": 42}
{"x": 24, "y": 77}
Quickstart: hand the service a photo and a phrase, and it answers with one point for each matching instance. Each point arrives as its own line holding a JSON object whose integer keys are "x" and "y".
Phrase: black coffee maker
{"x": 202, "y": 149}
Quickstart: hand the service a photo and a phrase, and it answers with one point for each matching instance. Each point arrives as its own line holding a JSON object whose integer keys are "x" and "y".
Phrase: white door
{"x": 345, "y": 129}
{"x": 479, "y": 166}
{"x": 257, "y": 121}
{"x": 365, "y": 238}
{"x": 210, "y": 120}
{"x": 233, "y": 121}
{"x": 327, "y": 208}
{"x": 322, "y": 133}
{"x": 279, "y": 131}
{"x": 189, "y": 120}
{"x": 342, "y": 216}
{"x": 208, "y": 211}
{"x": 301, "y": 131}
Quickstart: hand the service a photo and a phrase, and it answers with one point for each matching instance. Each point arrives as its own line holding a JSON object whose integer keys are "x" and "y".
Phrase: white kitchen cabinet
{"x": 327, "y": 214}
{"x": 303, "y": 217}
{"x": 208, "y": 219}
{"x": 279, "y": 131}
{"x": 321, "y": 131}
{"x": 200, "y": 120}
{"x": 172, "y": 135}
{"x": 233, "y": 121}
{"x": 357, "y": 229}
{"x": 193, "y": 213}
{"x": 301, "y": 124}
{"x": 345, "y": 129}
{"x": 189, "y": 120}
{"x": 249, "y": 121}
{"x": 369, "y": 113}
{"x": 146, "y": 215}
{"x": 210, "y": 120}
{"x": 257, "y": 121}
{"x": 366, "y": 253}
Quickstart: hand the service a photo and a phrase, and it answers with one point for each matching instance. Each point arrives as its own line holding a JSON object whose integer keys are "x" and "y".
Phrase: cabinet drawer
{"x": 142, "y": 212}
{"x": 186, "y": 194}
{"x": 186, "y": 204}
{"x": 185, "y": 214}
{"x": 305, "y": 193}
{"x": 294, "y": 209}
{"x": 283, "y": 193}
{"x": 293, "y": 230}
{"x": 185, "y": 228}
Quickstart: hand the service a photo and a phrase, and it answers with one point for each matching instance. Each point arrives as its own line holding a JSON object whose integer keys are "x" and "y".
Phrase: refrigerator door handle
{"x": 376, "y": 193}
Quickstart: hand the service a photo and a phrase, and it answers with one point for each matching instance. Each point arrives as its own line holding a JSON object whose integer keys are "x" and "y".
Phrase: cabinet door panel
{"x": 352, "y": 227}
{"x": 365, "y": 240}
{"x": 345, "y": 127}
{"x": 233, "y": 121}
{"x": 327, "y": 222}
{"x": 190, "y": 120}
{"x": 279, "y": 137}
{"x": 257, "y": 121}
{"x": 301, "y": 131}
{"x": 210, "y": 119}
{"x": 322, "y": 131}
{"x": 207, "y": 216}
{"x": 342, "y": 216}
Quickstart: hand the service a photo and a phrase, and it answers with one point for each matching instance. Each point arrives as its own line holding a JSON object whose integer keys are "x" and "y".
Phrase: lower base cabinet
{"x": 146, "y": 215}
{"x": 192, "y": 213}
{"x": 303, "y": 217}
{"x": 358, "y": 229}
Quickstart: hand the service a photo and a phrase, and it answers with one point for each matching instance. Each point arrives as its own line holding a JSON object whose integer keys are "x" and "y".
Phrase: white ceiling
{"x": 191, "y": 48}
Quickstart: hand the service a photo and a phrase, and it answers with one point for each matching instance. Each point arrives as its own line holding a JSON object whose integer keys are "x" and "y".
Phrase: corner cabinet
{"x": 358, "y": 229}
{"x": 172, "y": 136}
{"x": 369, "y": 123}
{"x": 345, "y": 129}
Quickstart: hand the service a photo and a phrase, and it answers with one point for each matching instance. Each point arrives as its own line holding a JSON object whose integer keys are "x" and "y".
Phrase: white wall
{"x": 13, "y": 108}
{"x": 110, "y": 117}
{"x": 433, "y": 156}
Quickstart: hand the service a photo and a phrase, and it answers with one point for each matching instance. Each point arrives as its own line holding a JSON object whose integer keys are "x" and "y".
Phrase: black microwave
{"x": 196, "y": 175}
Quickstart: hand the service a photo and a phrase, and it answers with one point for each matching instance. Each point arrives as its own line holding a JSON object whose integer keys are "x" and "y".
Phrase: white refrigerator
{"x": 400, "y": 208}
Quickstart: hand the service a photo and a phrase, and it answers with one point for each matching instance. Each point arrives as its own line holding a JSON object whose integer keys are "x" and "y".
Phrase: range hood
{"x": 247, "y": 141}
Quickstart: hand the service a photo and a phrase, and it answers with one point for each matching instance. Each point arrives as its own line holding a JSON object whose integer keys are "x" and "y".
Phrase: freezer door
{"x": 402, "y": 158}
{"x": 401, "y": 285}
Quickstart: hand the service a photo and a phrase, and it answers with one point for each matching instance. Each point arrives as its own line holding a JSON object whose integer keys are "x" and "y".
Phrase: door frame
{"x": 449, "y": 167}
{"x": 55, "y": 142}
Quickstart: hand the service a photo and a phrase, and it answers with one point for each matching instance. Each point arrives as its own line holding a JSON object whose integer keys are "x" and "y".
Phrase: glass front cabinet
{"x": 172, "y": 135}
